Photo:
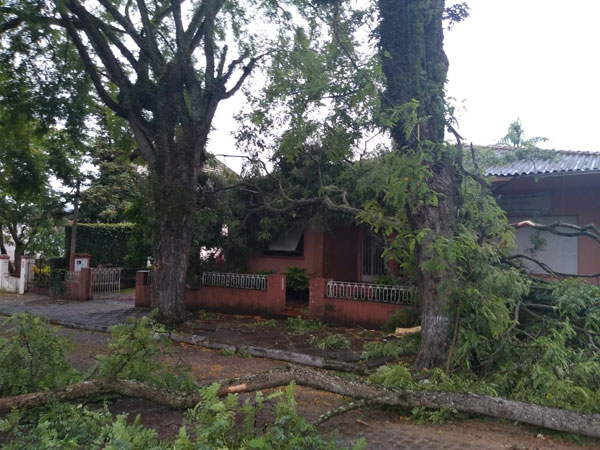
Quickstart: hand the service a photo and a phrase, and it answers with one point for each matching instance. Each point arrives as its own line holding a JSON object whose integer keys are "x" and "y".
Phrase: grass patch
{"x": 241, "y": 353}
{"x": 407, "y": 345}
{"x": 270, "y": 323}
{"x": 299, "y": 325}
{"x": 331, "y": 342}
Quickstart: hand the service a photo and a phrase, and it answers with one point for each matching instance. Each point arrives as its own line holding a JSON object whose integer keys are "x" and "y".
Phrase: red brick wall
{"x": 239, "y": 301}
{"x": 82, "y": 289}
{"x": 350, "y": 312}
{"x": 312, "y": 260}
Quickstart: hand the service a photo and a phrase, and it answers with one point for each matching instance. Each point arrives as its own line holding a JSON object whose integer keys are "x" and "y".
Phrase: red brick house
{"x": 343, "y": 261}
{"x": 345, "y": 253}
{"x": 565, "y": 188}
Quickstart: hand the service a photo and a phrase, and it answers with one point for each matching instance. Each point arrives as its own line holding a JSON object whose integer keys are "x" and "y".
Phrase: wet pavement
{"x": 96, "y": 315}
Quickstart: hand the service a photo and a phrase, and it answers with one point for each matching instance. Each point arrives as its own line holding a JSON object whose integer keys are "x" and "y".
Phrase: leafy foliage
{"x": 107, "y": 243}
{"x": 68, "y": 426}
{"x": 296, "y": 279}
{"x": 331, "y": 342}
{"x": 214, "y": 419}
{"x": 136, "y": 350}
{"x": 213, "y": 423}
{"x": 300, "y": 325}
{"x": 407, "y": 345}
{"x": 549, "y": 356}
{"x": 33, "y": 358}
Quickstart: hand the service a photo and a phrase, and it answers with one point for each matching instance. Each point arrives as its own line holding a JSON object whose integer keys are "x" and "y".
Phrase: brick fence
{"x": 368, "y": 314}
{"x": 223, "y": 299}
{"x": 272, "y": 301}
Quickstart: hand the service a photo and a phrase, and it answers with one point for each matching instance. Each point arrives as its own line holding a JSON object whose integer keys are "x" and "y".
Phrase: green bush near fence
{"x": 107, "y": 243}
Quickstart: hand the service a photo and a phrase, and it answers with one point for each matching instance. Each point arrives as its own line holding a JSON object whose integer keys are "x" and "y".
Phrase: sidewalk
{"x": 97, "y": 315}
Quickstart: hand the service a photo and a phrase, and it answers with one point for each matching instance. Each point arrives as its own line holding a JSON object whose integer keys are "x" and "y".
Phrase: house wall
{"x": 570, "y": 195}
{"x": 312, "y": 260}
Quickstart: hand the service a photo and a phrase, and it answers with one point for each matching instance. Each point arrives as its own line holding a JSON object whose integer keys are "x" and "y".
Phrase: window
{"x": 372, "y": 261}
{"x": 288, "y": 244}
{"x": 560, "y": 253}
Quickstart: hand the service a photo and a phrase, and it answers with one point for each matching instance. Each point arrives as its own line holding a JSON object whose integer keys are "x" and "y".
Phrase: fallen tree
{"x": 529, "y": 413}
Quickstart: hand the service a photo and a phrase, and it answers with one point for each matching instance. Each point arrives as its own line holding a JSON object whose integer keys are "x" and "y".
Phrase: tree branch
{"x": 589, "y": 230}
{"x": 543, "y": 416}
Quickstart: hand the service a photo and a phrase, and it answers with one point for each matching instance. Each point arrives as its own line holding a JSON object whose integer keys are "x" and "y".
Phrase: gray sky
{"x": 537, "y": 60}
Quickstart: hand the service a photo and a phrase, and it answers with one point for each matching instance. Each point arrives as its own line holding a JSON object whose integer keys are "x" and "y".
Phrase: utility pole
{"x": 74, "y": 226}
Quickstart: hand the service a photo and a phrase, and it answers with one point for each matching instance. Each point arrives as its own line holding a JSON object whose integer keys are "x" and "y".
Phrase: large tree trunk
{"x": 437, "y": 306}
{"x": 415, "y": 65}
{"x": 175, "y": 210}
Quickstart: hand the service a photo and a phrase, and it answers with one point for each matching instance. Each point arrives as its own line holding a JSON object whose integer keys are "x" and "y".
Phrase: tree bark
{"x": 415, "y": 65}
{"x": 542, "y": 416}
{"x": 175, "y": 209}
{"x": 437, "y": 305}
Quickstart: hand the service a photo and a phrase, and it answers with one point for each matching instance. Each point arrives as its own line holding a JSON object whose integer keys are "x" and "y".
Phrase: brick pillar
{"x": 316, "y": 298}
{"x": 142, "y": 290}
{"x": 276, "y": 292}
{"x": 85, "y": 284}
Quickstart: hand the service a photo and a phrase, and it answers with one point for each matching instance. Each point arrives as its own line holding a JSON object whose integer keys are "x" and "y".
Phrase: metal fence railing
{"x": 380, "y": 293}
{"x": 105, "y": 282}
{"x": 148, "y": 277}
{"x": 235, "y": 280}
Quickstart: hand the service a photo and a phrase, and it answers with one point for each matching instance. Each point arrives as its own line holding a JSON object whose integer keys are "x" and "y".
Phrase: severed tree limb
{"x": 546, "y": 268}
{"x": 341, "y": 410}
{"x": 542, "y": 416}
{"x": 589, "y": 230}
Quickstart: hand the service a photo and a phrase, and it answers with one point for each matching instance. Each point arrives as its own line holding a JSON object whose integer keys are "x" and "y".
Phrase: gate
{"x": 105, "y": 283}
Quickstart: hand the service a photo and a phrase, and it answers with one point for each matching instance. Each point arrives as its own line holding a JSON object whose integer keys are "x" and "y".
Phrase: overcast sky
{"x": 537, "y": 60}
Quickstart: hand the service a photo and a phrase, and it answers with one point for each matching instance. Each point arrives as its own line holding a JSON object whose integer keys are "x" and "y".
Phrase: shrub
{"x": 296, "y": 279}
{"x": 33, "y": 359}
{"x": 406, "y": 317}
{"x": 41, "y": 276}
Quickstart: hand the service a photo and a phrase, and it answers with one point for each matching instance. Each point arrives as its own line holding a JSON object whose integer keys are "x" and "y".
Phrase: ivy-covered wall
{"x": 106, "y": 242}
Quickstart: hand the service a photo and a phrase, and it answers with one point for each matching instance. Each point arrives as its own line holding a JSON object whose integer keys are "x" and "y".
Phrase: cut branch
{"x": 589, "y": 230}
{"x": 543, "y": 416}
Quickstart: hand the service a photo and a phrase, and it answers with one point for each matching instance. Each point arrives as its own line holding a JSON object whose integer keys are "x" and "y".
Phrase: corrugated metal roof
{"x": 559, "y": 161}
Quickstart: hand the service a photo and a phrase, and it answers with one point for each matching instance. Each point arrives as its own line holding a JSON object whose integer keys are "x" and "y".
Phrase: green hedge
{"x": 107, "y": 243}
